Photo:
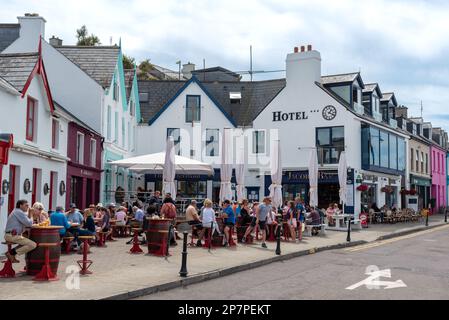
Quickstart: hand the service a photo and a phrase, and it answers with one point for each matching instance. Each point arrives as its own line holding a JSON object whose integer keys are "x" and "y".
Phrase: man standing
{"x": 229, "y": 220}
{"x": 260, "y": 219}
{"x": 18, "y": 220}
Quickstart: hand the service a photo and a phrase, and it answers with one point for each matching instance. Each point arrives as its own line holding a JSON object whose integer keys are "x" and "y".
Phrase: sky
{"x": 400, "y": 44}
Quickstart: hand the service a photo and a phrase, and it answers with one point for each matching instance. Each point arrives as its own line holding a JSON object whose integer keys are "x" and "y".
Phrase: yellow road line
{"x": 388, "y": 241}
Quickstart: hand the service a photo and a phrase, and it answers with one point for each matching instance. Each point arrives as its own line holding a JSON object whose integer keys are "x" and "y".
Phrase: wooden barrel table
{"x": 158, "y": 236}
{"x": 35, "y": 259}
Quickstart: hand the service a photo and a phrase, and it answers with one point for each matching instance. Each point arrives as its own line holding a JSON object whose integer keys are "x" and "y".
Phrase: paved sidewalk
{"x": 120, "y": 275}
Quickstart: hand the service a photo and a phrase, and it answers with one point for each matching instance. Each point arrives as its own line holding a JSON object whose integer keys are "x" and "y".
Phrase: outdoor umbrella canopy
{"x": 313, "y": 178}
{"x": 240, "y": 175}
{"x": 169, "y": 171}
{"x": 154, "y": 164}
{"x": 276, "y": 174}
{"x": 226, "y": 166}
{"x": 342, "y": 177}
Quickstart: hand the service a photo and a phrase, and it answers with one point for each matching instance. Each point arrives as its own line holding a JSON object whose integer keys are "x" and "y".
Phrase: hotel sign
{"x": 279, "y": 116}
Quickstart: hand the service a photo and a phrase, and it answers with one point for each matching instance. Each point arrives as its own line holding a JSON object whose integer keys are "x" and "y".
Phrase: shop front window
{"x": 192, "y": 189}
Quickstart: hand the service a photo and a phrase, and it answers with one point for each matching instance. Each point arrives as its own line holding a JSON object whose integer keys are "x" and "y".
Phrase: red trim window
{"x": 31, "y": 119}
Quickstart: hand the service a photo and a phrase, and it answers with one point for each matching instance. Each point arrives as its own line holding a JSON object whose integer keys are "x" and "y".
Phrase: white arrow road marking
{"x": 373, "y": 281}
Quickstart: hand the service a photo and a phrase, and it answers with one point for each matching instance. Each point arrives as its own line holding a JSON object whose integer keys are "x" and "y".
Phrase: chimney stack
{"x": 296, "y": 50}
{"x": 303, "y": 68}
{"x": 55, "y": 42}
{"x": 187, "y": 70}
{"x": 32, "y": 26}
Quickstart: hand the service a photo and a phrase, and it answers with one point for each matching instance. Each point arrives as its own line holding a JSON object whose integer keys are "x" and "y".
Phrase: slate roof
{"x": 129, "y": 77}
{"x": 98, "y": 62}
{"x": 387, "y": 96}
{"x": 216, "y": 74}
{"x": 370, "y": 87}
{"x": 16, "y": 68}
{"x": 5, "y": 84}
{"x": 159, "y": 93}
{"x": 340, "y": 78}
{"x": 255, "y": 97}
{"x": 9, "y": 32}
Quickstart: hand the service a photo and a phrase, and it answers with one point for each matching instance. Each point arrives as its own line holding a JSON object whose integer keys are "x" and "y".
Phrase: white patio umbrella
{"x": 313, "y": 178}
{"x": 226, "y": 166}
{"x": 240, "y": 175}
{"x": 169, "y": 171}
{"x": 276, "y": 174}
{"x": 342, "y": 177}
{"x": 154, "y": 164}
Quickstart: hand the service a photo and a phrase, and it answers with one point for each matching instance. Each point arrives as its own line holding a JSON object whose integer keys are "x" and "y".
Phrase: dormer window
{"x": 356, "y": 94}
{"x": 115, "y": 92}
{"x": 235, "y": 97}
{"x": 414, "y": 129}
{"x": 376, "y": 103}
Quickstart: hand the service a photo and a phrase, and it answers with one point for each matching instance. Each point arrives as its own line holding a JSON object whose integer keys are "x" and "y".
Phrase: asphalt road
{"x": 420, "y": 260}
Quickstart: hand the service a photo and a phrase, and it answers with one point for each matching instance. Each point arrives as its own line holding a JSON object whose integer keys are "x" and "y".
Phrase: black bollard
{"x": 427, "y": 219}
{"x": 348, "y": 238}
{"x": 445, "y": 215}
{"x": 183, "y": 272}
{"x": 278, "y": 239}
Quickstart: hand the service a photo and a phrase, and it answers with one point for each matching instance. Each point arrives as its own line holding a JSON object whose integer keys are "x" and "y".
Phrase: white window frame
{"x": 79, "y": 148}
{"x": 93, "y": 153}
{"x": 109, "y": 124}
{"x": 56, "y": 132}
{"x": 253, "y": 135}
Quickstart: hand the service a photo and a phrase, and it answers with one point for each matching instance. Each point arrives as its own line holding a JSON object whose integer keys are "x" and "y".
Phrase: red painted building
{"x": 84, "y": 150}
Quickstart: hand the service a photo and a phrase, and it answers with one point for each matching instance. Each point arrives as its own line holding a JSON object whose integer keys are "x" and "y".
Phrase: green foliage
{"x": 84, "y": 39}
{"x": 128, "y": 62}
{"x": 144, "y": 70}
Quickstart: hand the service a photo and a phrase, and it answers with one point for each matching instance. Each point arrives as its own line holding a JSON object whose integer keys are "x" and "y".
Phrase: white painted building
{"x": 37, "y": 161}
{"x": 89, "y": 82}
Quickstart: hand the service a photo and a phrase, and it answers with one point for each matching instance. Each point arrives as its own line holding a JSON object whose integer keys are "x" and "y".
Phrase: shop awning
{"x": 154, "y": 164}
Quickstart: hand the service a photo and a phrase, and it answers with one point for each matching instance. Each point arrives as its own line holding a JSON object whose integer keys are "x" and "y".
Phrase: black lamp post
{"x": 183, "y": 273}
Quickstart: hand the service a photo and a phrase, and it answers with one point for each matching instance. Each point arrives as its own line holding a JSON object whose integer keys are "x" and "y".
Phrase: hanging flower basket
{"x": 387, "y": 189}
{"x": 405, "y": 192}
{"x": 363, "y": 188}
{"x": 412, "y": 192}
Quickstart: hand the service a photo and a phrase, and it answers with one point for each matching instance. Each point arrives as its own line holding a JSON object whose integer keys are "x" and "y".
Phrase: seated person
{"x": 314, "y": 218}
{"x": 192, "y": 217}
{"x": 105, "y": 223}
{"x": 229, "y": 220}
{"x": 38, "y": 213}
{"x": 330, "y": 212}
{"x": 59, "y": 219}
{"x": 244, "y": 216}
{"x": 121, "y": 217}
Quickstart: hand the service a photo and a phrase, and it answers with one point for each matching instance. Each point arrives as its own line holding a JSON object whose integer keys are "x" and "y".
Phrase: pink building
{"x": 439, "y": 178}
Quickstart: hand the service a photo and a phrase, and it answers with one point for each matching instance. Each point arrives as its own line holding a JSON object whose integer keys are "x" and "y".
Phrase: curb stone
{"x": 410, "y": 231}
{"x": 225, "y": 272}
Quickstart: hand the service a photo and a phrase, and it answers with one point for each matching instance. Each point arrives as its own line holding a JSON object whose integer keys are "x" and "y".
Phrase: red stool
{"x": 101, "y": 239}
{"x": 67, "y": 241}
{"x": 231, "y": 237}
{"x": 85, "y": 264}
{"x": 136, "y": 244}
{"x": 7, "y": 271}
{"x": 46, "y": 274}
